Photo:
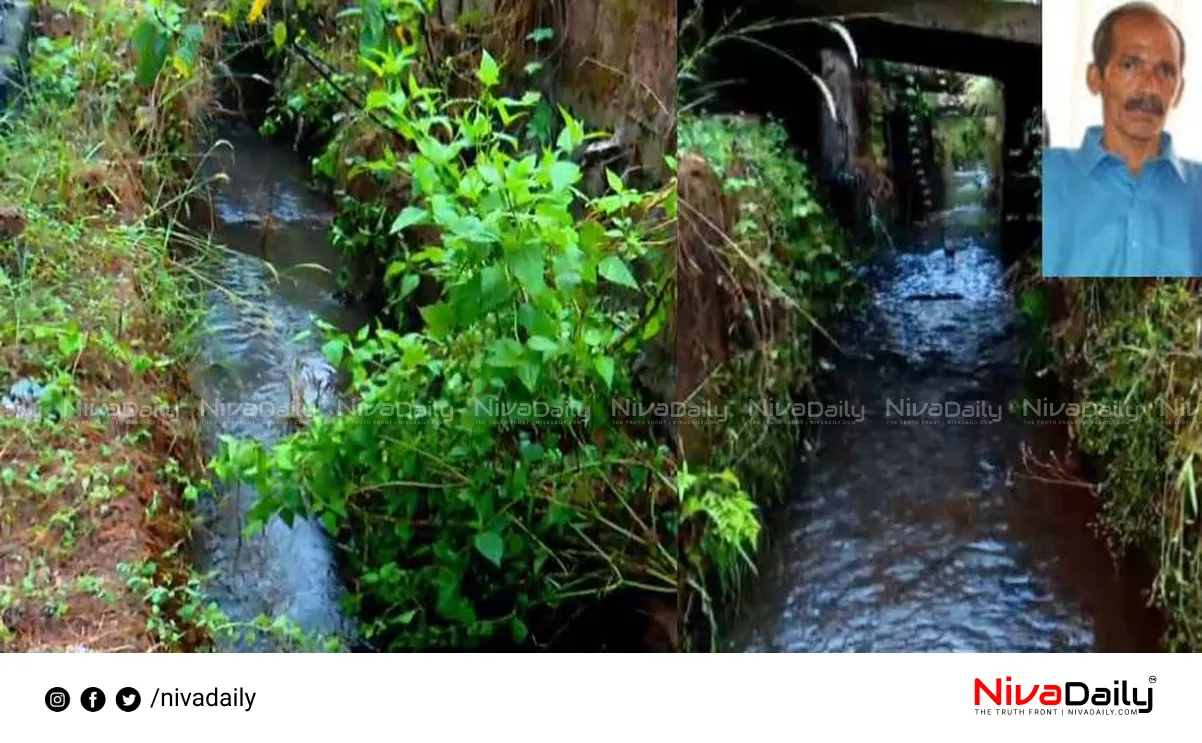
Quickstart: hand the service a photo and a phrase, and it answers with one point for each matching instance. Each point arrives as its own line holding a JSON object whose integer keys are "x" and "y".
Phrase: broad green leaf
{"x": 188, "y": 49}
{"x": 394, "y": 269}
{"x": 528, "y": 373}
{"x": 567, "y": 268}
{"x": 537, "y": 322}
{"x": 408, "y": 284}
{"x": 415, "y": 355}
{"x": 431, "y": 254}
{"x": 377, "y": 99}
{"x": 279, "y": 34}
{"x": 494, "y": 288}
{"x": 653, "y": 326}
{"x": 615, "y": 181}
{"x": 528, "y": 266}
{"x": 491, "y": 545}
{"x": 439, "y": 319}
{"x": 150, "y": 48}
{"x": 591, "y": 237}
{"x": 564, "y": 143}
{"x": 333, "y": 350}
{"x": 572, "y": 135}
{"x": 489, "y": 73}
{"x": 436, "y": 152}
{"x": 408, "y": 217}
{"x": 610, "y": 204}
{"x": 519, "y": 630}
{"x": 605, "y": 367}
{"x": 542, "y": 343}
{"x": 451, "y": 604}
{"x": 614, "y": 269}
{"x": 505, "y": 353}
{"x": 464, "y": 299}
{"x": 564, "y": 174}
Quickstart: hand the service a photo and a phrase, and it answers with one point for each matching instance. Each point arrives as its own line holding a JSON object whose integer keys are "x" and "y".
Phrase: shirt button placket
{"x": 1133, "y": 223}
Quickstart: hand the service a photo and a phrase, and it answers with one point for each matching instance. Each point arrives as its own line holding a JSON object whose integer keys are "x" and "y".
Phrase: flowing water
{"x": 917, "y": 529}
{"x": 254, "y": 372}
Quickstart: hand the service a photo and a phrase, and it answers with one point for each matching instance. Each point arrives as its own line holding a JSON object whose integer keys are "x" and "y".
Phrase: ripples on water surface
{"x": 917, "y": 537}
{"x": 251, "y": 362}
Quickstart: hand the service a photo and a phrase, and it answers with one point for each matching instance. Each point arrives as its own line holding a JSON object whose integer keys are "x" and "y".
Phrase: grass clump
{"x": 1135, "y": 344}
{"x": 97, "y": 457}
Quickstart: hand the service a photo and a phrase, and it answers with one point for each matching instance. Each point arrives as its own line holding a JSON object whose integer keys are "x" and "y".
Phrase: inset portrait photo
{"x": 1122, "y": 160}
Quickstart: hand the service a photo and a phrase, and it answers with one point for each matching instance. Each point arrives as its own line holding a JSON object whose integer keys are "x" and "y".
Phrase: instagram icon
{"x": 57, "y": 699}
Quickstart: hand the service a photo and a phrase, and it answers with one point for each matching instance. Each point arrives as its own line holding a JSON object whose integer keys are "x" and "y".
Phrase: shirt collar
{"x": 1092, "y": 151}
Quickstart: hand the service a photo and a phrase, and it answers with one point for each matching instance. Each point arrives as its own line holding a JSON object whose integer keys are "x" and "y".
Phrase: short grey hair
{"x": 1103, "y": 37}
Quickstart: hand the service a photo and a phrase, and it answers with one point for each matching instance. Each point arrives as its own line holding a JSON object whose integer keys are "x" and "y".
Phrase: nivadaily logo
{"x": 1071, "y": 698}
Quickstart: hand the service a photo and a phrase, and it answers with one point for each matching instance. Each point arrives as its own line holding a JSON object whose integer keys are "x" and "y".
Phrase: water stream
{"x": 907, "y": 534}
{"x": 918, "y": 532}
{"x": 253, "y": 373}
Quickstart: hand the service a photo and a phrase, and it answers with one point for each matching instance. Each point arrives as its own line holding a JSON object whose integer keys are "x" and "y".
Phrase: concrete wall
{"x": 842, "y": 139}
{"x": 842, "y": 142}
{"x": 15, "y": 19}
{"x": 614, "y": 66}
{"x": 618, "y": 71}
{"x": 1021, "y": 228}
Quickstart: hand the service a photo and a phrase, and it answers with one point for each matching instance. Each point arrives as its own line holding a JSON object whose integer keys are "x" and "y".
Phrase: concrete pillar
{"x": 841, "y": 137}
{"x": 917, "y": 183}
{"x": 1020, "y": 189}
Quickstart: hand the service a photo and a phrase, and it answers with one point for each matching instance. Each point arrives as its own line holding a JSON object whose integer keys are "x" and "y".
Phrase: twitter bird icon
{"x": 128, "y": 699}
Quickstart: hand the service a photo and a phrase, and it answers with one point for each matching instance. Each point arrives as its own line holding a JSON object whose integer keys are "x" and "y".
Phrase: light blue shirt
{"x": 1099, "y": 220}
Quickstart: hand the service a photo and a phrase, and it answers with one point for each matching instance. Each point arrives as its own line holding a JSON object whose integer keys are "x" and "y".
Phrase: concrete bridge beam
{"x": 1016, "y": 22}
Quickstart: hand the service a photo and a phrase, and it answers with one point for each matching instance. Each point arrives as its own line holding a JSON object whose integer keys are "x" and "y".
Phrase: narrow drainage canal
{"x": 253, "y": 371}
{"x": 927, "y": 536}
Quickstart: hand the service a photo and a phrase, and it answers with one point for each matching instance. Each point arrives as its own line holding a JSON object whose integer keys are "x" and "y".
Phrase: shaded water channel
{"x": 255, "y": 371}
{"x": 917, "y": 532}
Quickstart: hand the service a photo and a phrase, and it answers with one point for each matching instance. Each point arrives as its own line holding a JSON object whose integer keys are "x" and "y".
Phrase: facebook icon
{"x": 92, "y": 699}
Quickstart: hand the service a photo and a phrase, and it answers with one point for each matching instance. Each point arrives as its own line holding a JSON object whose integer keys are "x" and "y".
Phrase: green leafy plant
{"x": 163, "y": 36}
{"x": 780, "y": 220}
{"x": 792, "y": 269}
{"x": 733, "y": 531}
{"x": 467, "y": 519}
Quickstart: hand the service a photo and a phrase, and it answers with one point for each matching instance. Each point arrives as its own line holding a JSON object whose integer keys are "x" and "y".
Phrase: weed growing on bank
{"x": 760, "y": 256}
{"x": 508, "y": 292}
{"x": 1137, "y": 342}
{"x": 97, "y": 449}
{"x": 1134, "y": 343}
{"x": 99, "y": 458}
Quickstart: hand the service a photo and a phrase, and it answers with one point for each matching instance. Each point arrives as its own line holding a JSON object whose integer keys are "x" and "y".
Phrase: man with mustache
{"x": 1124, "y": 203}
